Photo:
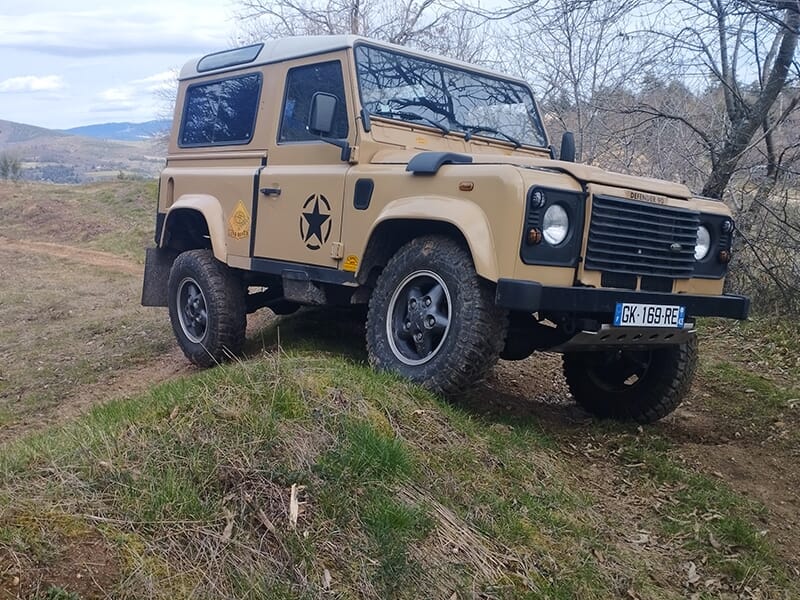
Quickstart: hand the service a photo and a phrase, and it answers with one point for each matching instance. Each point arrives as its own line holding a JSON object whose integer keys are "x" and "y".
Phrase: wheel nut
{"x": 418, "y": 337}
{"x": 431, "y": 321}
{"x": 407, "y": 325}
{"x": 427, "y": 301}
{"x": 413, "y": 303}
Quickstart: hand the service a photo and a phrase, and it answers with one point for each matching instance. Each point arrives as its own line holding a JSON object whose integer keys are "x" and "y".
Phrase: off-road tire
{"x": 220, "y": 334}
{"x": 474, "y": 337}
{"x": 662, "y": 387}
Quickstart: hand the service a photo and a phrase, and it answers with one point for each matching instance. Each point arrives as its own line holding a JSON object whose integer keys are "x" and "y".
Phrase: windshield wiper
{"x": 480, "y": 129}
{"x": 410, "y": 116}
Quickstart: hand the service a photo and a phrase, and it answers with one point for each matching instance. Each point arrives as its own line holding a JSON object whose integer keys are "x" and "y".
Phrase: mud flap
{"x": 157, "y": 264}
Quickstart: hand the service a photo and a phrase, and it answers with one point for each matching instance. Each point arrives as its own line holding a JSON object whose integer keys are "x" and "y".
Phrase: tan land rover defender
{"x": 340, "y": 170}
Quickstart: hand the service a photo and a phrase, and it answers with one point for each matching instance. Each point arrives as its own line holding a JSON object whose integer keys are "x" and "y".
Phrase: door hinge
{"x": 337, "y": 250}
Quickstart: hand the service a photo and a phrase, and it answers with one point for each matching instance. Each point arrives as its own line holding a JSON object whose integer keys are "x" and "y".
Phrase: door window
{"x": 301, "y": 85}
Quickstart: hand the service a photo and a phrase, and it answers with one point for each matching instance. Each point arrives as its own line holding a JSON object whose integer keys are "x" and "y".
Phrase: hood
{"x": 580, "y": 172}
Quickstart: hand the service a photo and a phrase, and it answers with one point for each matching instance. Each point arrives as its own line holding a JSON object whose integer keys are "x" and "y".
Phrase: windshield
{"x": 414, "y": 89}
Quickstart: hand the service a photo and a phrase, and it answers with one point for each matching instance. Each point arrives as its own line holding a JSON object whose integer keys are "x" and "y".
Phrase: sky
{"x": 66, "y": 63}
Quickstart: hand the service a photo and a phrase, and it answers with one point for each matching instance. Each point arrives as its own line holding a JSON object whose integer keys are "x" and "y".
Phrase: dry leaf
{"x": 262, "y": 516}
{"x": 326, "y": 579}
{"x": 294, "y": 508}
{"x": 174, "y": 413}
{"x": 599, "y": 555}
{"x": 713, "y": 541}
{"x": 692, "y": 576}
{"x": 226, "y": 533}
{"x": 454, "y": 596}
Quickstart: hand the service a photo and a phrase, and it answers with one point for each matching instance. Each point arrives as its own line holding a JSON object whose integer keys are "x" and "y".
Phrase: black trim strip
{"x": 160, "y": 218}
{"x": 301, "y": 271}
{"x": 531, "y": 296}
{"x": 254, "y": 207}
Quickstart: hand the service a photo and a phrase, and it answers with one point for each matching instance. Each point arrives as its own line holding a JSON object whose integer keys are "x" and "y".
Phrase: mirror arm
{"x": 343, "y": 144}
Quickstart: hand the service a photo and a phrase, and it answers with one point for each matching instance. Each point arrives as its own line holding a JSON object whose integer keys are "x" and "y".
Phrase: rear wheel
{"x": 432, "y": 319}
{"x": 632, "y": 385}
{"x": 206, "y": 308}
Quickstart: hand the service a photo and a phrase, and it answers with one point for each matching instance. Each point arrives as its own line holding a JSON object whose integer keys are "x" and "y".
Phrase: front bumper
{"x": 530, "y": 296}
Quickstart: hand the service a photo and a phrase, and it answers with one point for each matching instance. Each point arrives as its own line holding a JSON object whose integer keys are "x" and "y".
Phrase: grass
{"x": 64, "y": 325}
{"x": 399, "y": 496}
{"x": 750, "y": 372}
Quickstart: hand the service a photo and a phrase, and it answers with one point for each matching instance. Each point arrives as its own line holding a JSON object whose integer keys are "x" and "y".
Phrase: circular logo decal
{"x": 315, "y": 222}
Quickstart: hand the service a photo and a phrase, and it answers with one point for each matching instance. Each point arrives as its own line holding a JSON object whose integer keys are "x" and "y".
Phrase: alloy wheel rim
{"x": 192, "y": 310}
{"x": 418, "y": 317}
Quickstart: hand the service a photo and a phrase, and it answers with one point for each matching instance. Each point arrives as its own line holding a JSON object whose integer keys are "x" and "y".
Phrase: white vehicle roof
{"x": 278, "y": 50}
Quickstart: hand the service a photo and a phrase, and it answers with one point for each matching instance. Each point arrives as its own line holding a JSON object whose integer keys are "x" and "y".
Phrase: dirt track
{"x": 93, "y": 258}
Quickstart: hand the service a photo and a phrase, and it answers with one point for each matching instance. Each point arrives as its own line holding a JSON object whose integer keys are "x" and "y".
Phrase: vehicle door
{"x": 301, "y": 189}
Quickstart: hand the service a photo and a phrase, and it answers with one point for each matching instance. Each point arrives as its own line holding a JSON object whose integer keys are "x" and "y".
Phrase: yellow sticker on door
{"x": 350, "y": 263}
{"x": 239, "y": 223}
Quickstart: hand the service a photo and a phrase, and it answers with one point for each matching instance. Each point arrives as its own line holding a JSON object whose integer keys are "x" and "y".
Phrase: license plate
{"x": 648, "y": 315}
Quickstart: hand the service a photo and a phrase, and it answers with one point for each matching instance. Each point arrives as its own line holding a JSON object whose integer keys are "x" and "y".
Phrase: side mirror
{"x": 567, "y": 147}
{"x": 321, "y": 115}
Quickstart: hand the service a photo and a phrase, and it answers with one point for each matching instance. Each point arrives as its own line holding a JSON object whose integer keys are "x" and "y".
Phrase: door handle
{"x": 271, "y": 191}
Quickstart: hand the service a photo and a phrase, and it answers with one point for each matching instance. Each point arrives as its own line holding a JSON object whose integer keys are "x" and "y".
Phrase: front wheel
{"x": 432, "y": 319}
{"x": 632, "y": 385}
{"x": 206, "y": 308}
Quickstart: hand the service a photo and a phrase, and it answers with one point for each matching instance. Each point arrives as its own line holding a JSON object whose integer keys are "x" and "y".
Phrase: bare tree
{"x": 435, "y": 25}
{"x": 745, "y": 51}
{"x": 571, "y": 51}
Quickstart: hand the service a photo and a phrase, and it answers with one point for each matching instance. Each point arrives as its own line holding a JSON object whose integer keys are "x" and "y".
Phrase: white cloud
{"x": 32, "y": 83}
{"x": 126, "y": 29}
{"x": 117, "y": 95}
{"x": 158, "y": 82}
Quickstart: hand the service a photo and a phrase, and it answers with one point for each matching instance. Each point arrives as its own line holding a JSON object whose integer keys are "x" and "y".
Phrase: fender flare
{"x": 464, "y": 215}
{"x": 211, "y": 210}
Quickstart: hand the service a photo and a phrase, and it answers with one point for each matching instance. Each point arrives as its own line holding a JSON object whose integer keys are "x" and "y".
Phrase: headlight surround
{"x": 555, "y": 225}
{"x": 703, "y": 243}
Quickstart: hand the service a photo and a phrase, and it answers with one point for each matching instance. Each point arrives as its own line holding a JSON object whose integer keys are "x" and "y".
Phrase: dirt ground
{"x": 763, "y": 468}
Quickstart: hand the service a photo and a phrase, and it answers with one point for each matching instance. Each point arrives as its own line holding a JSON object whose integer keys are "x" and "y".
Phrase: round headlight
{"x": 703, "y": 244}
{"x": 555, "y": 225}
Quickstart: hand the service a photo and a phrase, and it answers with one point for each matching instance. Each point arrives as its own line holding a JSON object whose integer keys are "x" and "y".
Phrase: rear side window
{"x": 221, "y": 112}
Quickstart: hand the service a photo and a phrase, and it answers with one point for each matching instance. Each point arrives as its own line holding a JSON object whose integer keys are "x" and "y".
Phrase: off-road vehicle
{"x": 344, "y": 171}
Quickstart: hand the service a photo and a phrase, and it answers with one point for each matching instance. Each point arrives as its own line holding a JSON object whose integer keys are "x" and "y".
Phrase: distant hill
{"x": 63, "y": 157}
{"x": 15, "y": 133}
{"x": 129, "y": 132}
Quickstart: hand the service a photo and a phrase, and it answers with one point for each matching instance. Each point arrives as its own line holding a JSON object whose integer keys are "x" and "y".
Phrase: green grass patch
{"x": 713, "y": 521}
{"x": 398, "y": 494}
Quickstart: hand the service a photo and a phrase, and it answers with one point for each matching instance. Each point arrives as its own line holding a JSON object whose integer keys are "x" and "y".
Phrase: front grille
{"x": 644, "y": 239}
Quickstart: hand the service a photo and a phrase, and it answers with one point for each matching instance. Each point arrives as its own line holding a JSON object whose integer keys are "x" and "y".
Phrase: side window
{"x": 221, "y": 112}
{"x": 301, "y": 84}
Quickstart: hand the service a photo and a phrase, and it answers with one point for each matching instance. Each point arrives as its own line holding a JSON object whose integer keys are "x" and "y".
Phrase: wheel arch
{"x": 408, "y": 218}
{"x": 195, "y": 221}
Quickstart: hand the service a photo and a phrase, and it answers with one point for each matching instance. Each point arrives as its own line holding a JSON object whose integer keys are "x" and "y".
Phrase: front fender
{"x": 211, "y": 210}
{"x": 465, "y": 215}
